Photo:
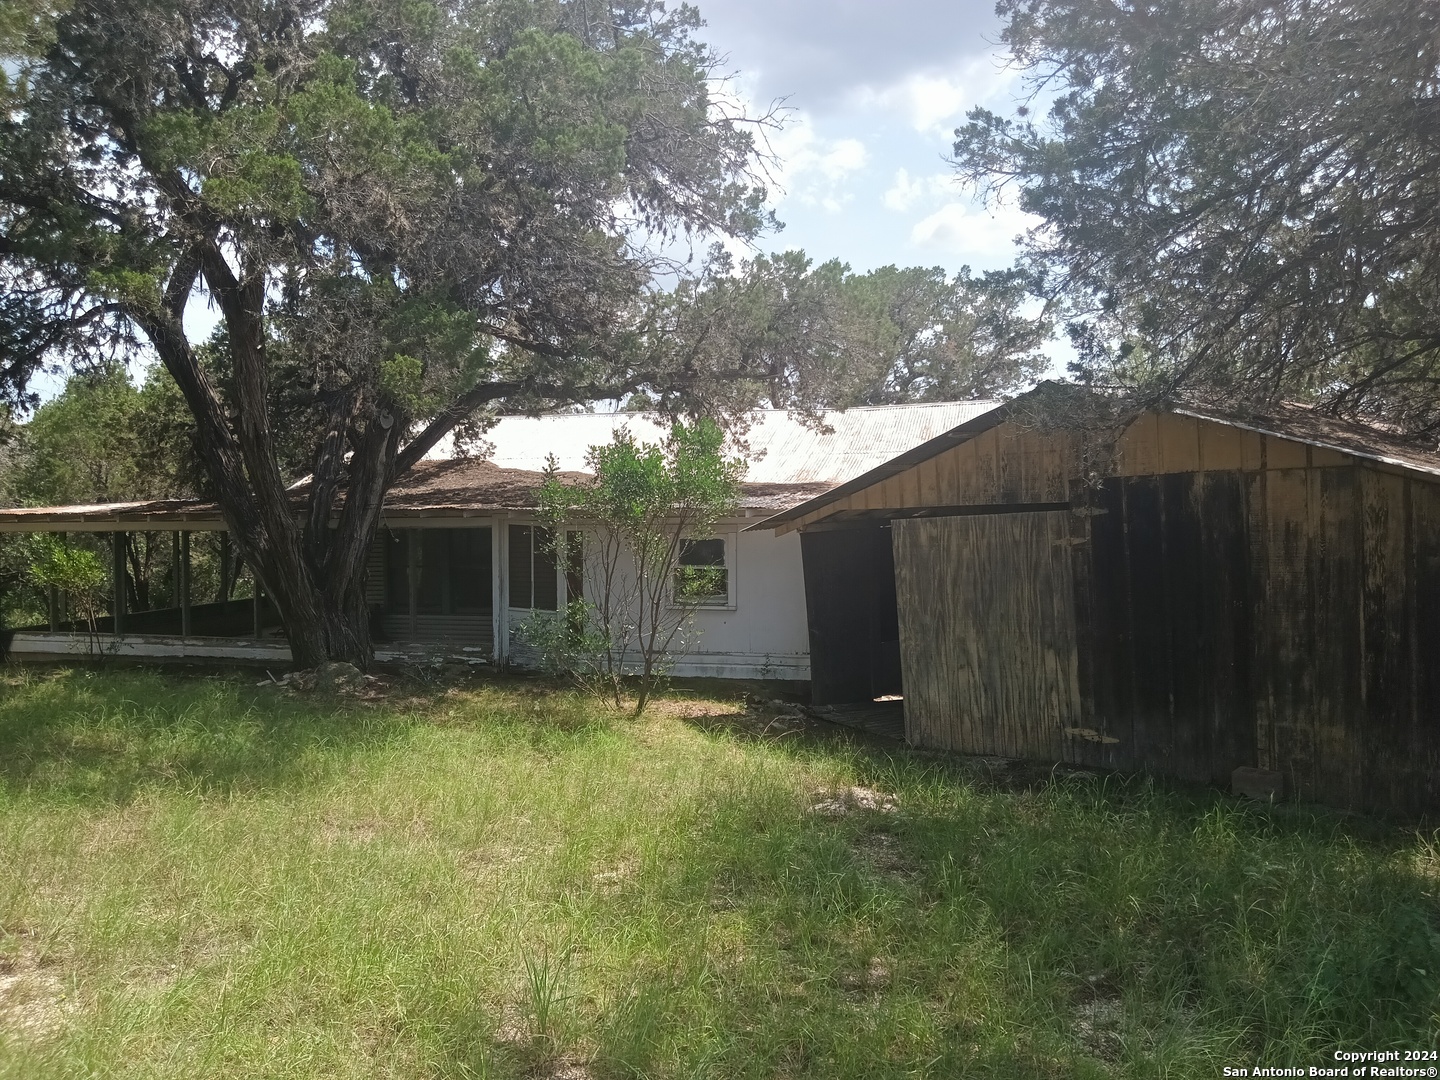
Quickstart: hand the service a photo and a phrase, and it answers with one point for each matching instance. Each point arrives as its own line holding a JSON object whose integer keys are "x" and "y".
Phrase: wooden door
{"x": 987, "y": 632}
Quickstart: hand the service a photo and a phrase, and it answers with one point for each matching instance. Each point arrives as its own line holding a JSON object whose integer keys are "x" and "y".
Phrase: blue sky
{"x": 875, "y": 92}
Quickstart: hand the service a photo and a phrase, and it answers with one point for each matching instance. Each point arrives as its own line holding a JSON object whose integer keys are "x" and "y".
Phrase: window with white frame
{"x": 534, "y": 576}
{"x": 704, "y": 574}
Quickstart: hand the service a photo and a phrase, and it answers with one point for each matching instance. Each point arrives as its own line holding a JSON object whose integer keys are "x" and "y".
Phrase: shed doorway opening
{"x": 853, "y": 620}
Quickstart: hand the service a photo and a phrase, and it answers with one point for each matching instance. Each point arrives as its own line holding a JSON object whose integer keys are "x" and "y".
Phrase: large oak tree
{"x": 1241, "y": 198}
{"x": 406, "y": 212}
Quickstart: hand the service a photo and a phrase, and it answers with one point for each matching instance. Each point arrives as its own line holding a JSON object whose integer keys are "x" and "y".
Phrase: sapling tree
{"x": 76, "y": 572}
{"x": 633, "y": 517}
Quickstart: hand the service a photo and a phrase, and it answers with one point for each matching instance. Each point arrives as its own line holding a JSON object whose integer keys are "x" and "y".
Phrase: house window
{"x": 534, "y": 576}
{"x": 702, "y": 577}
{"x": 449, "y": 568}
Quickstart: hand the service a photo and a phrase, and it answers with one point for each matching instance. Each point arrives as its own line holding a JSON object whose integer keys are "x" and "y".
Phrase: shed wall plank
{"x": 987, "y": 632}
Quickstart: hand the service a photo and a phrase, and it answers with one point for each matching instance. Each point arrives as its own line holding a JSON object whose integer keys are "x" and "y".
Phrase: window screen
{"x": 452, "y": 571}
{"x": 470, "y": 585}
{"x": 534, "y": 576}
{"x": 397, "y": 573}
{"x": 702, "y": 577}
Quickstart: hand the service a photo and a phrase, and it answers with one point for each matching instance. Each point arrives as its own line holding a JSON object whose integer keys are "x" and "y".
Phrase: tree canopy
{"x": 795, "y": 335}
{"x": 404, "y": 210}
{"x": 1241, "y": 198}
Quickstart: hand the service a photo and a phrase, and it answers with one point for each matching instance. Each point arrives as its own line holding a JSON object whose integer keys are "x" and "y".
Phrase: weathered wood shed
{"x": 1205, "y": 593}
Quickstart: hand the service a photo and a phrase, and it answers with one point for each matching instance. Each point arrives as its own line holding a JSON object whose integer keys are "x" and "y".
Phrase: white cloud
{"x": 906, "y": 191}
{"x": 933, "y": 102}
{"x": 985, "y": 236}
{"x": 813, "y": 169}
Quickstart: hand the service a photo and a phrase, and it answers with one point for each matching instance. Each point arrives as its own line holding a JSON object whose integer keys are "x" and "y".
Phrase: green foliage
{"x": 71, "y": 569}
{"x": 1240, "y": 199}
{"x": 637, "y": 506}
{"x": 796, "y": 335}
{"x": 567, "y": 642}
{"x": 410, "y": 214}
{"x": 76, "y": 572}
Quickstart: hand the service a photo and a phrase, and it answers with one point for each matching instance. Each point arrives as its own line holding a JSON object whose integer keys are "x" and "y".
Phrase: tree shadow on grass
{"x": 105, "y": 737}
{"x": 1194, "y": 924}
{"x": 76, "y": 735}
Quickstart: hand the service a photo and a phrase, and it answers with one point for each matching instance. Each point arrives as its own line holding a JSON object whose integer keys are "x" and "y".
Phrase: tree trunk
{"x": 328, "y": 628}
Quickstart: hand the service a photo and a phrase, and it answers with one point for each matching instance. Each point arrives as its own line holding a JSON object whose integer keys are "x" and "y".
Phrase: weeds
{"x": 204, "y": 878}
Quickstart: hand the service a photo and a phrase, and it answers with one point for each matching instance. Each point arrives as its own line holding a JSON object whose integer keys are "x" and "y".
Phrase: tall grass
{"x": 203, "y": 878}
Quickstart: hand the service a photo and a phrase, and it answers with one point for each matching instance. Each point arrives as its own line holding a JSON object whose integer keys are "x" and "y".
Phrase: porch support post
{"x": 52, "y": 608}
{"x": 502, "y": 591}
{"x": 117, "y": 578}
{"x": 184, "y": 584}
{"x": 497, "y": 588}
{"x": 412, "y": 575}
{"x": 174, "y": 569}
{"x": 257, "y": 599}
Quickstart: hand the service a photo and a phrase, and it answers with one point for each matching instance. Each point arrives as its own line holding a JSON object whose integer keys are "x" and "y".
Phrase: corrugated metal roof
{"x": 781, "y": 448}
{"x": 1296, "y": 422}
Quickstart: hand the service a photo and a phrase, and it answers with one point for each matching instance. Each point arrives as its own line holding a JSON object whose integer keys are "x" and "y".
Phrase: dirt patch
{"x": 33, "y": 1001}
{"x": 876, "y": 975}
{"x": 1097, "y": 1022}
{"x": 614, "y": 878}
{"x": 846, "y": 801}
{"x": 565, "y": 1068}
{"x": 885, "y": 853}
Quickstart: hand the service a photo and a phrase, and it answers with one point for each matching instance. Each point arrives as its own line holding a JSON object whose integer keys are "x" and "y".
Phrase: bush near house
{"x": 208, "y": 878}
{"x": 625, "y": 529}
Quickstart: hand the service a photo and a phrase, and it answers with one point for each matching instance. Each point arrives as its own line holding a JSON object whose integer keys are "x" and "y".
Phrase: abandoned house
{"x": 461, "y": 560}
{"x": 1202, "y": 592}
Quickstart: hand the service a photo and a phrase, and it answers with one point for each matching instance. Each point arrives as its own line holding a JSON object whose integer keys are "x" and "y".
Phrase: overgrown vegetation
{"x": 629, "y": 530}
{"x": 206, "y": 878}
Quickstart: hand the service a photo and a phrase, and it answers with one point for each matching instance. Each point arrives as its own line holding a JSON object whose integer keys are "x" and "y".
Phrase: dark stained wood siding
{"x": 1286, "y": 618}
{"x": 987, "y": 632}
{"x": 1236, "y": 598}
{"x": 1171, "y": 630}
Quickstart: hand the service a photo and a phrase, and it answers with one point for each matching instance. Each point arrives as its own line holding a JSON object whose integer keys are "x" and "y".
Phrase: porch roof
{"x": 454, "y": 488}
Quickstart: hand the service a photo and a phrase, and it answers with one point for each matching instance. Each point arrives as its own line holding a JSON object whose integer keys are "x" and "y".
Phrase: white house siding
{"x": 764, "y": 636}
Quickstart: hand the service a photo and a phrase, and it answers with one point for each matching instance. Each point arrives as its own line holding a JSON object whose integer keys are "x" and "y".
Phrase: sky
{"x": 874, "y": 93}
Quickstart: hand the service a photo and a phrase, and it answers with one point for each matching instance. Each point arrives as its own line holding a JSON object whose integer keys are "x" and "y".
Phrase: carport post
{"x": 117, "y": 577}
{"x": 184, "y": 584}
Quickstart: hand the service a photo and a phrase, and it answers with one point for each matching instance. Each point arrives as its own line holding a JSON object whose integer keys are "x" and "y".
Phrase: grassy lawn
{"x": 199, "y": 877}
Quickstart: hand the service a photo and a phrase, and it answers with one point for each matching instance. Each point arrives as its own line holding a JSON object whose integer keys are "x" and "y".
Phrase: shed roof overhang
{"x": 1293, "y": 422}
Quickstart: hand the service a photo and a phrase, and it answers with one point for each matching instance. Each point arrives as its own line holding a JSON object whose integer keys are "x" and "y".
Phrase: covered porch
{"x": 442, "y": 583}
